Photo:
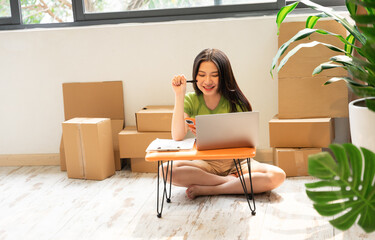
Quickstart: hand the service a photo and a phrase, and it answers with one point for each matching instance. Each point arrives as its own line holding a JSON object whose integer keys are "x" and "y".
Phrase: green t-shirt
{"x": 195, "y": 105}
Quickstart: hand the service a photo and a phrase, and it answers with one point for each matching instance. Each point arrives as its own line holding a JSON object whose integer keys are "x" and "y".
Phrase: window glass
{"x": 46, "y": 11}
{"x": 95, "y": 6}
{"x": 246, "y": 1}
{"x": 5, "y": 8}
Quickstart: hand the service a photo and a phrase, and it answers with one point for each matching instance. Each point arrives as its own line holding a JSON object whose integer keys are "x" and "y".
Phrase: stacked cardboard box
{"x": 89, "y": 148}
{"x": 152, "y": 122}
{"x": 95, "y": 100}
{"x": 305, "y": 121}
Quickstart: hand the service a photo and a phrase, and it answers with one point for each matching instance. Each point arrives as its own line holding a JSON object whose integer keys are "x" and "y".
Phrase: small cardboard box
{"x": 133, "y": 144}
{"x": 154, "y": 119}
{"x": 294, "y": 161}
{"x": 309, "y": 132}
{"x": 96, "y": 100}
{"x": 88, "y": 148}
{"x": 141, "y": 165}
{"x": 117, "y": 126}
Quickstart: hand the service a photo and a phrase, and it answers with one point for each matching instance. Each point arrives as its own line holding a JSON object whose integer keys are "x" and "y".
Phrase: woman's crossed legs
{"x": 199, "y": 179}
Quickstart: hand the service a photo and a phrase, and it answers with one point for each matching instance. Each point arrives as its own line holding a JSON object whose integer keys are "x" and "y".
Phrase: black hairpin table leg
{"x": 159, "y": 207}
{"x": 249, "y": 197}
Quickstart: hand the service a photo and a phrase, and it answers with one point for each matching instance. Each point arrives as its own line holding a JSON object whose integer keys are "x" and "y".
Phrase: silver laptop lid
{"x": 228, "y": 130}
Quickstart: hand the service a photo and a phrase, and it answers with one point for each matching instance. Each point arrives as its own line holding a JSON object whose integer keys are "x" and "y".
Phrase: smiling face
{"x": 208, "y": 78}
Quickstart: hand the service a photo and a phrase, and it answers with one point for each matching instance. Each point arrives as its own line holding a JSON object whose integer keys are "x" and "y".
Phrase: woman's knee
{"x": 277, "y": 177}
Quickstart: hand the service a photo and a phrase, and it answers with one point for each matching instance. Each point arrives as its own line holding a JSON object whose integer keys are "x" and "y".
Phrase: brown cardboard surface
{"x": 308, "y": 98}
{"x": 289, "y": 29}
{"x": 311, "y": 132}
{"x": 62, "y": 155}
{"x": 294, "y": 161}
{"x": 117, "y": 126}
{"x": 89, "y": 148}
{"x": 140, "y": 165}
{"x": 133, "y": 144}
{"x": 94, "y": 100}
{"x": 300, "y": 94}
{"x": 154, "y": 119}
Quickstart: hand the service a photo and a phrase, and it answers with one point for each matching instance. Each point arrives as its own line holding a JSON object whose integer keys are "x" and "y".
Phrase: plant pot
{"x": 362, "y": 124}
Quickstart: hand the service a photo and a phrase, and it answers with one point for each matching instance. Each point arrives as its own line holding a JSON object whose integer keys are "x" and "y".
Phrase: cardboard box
{"x": 133, "y": 144}
{"x": 62, "y": 155}
{"x": 154, "y": 119}
{"x": 140, "y": 165}
{"x": 309, "y": 98}
{"x": 88, "y": 148}
{"x": 117, "y": 126}
{"x": 309, "y": 58}
{"x": 97, "y": 100}
{"x": 311, "y": 132}
{"x": 94, "y": 100}
{"x": 294, "y": 161}
{"x": 300, "y": 94}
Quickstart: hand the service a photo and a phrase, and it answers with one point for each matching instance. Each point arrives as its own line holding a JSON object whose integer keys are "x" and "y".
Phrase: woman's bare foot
{"x": 192, "y": 192}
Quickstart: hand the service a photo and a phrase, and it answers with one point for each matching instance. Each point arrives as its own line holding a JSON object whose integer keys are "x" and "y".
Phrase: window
{"x": 44, "y": 13}
{"x": 9, "y": 12}
{"x": 5, "y": 9}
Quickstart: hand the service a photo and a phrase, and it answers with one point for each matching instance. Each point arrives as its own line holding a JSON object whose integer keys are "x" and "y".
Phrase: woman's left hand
{"x": 193, "y": 130}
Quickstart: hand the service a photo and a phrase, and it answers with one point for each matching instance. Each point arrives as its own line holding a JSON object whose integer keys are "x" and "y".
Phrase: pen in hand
{"x": 191, "y": 81}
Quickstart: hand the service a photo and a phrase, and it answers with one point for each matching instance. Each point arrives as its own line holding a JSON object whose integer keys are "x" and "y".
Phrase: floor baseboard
{"x": 52, "y": 159}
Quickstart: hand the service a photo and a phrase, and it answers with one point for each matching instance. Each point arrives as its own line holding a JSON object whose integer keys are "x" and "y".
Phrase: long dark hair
{"x": 228, "y": 86}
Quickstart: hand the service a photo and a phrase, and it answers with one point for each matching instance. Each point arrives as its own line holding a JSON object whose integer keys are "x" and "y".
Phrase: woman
{"x": 216, "y": 91}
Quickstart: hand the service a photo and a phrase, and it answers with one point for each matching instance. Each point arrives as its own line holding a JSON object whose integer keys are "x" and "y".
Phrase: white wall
{"x": 34, "y": 64}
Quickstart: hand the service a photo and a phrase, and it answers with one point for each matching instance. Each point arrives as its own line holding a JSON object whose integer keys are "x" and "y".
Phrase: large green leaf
{"x": 369, "y": 32}
{"x": 312, "y": 20}
{"x": 349, "y": 47}
{"x": 304, "y": 33}
{"x": 354, "y": 195}
{"x": 325, "y": 66}
{"x": 365, "y": 19}
{"x": 308, "y": 45}
{"x": 284, "y": 11}
{"x": 330, "y": 12}
{"x": 352, "y": 7}
{"x": 370, "y": 103}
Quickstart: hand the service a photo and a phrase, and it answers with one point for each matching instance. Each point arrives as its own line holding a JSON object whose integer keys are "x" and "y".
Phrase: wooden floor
{"x": 42, "y": 203}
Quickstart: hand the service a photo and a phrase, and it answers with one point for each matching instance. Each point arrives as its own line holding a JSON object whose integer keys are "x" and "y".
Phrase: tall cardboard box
{"x": 309, "y": 132}
{"x": 301, "y": 95}
{"x": 88, "y": 148}
{"x": 95, "y": 100}
{"x": 154, "y": 119}
{"x": 294, "y": 161}
{"x": 141, "y": 165}
{"x": 133, "y": 144}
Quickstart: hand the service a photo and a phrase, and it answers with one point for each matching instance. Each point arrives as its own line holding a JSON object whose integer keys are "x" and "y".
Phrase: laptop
{"x": 227, "y": 130}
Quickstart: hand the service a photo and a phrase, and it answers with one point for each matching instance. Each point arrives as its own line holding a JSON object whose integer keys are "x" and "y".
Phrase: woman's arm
{"x": 179, "y": 128}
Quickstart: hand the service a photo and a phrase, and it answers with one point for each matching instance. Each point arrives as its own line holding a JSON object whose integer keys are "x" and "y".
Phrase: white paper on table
{"x": 170, "y": 145}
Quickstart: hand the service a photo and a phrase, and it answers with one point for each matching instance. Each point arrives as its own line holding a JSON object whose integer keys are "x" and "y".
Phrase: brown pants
{"x": 220, "y": 167}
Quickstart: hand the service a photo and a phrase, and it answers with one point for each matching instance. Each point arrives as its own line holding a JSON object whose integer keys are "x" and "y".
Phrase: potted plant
{"x": 361, "y": 41}
{"x": 353, "y": 171}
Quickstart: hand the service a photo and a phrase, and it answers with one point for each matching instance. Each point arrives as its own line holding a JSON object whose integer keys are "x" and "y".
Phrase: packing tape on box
{"x": 300, "y": 162}
{"x": 82, "y": 151}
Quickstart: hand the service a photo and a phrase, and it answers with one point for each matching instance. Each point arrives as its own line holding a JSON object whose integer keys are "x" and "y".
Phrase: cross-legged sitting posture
{"x": 216, "y": 91}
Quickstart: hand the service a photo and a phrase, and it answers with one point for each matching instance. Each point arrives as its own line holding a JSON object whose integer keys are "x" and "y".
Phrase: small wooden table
{"x": 237, "y": 154}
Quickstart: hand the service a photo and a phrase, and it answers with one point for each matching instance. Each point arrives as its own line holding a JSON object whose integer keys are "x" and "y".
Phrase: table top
{"x": 194, "y": 154}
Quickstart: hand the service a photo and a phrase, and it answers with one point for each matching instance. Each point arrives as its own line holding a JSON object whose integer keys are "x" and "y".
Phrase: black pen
{"x": 191, "y": 81}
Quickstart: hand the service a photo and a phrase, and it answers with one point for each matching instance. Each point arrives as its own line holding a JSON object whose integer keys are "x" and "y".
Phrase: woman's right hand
{"x": 179, "y": 84}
